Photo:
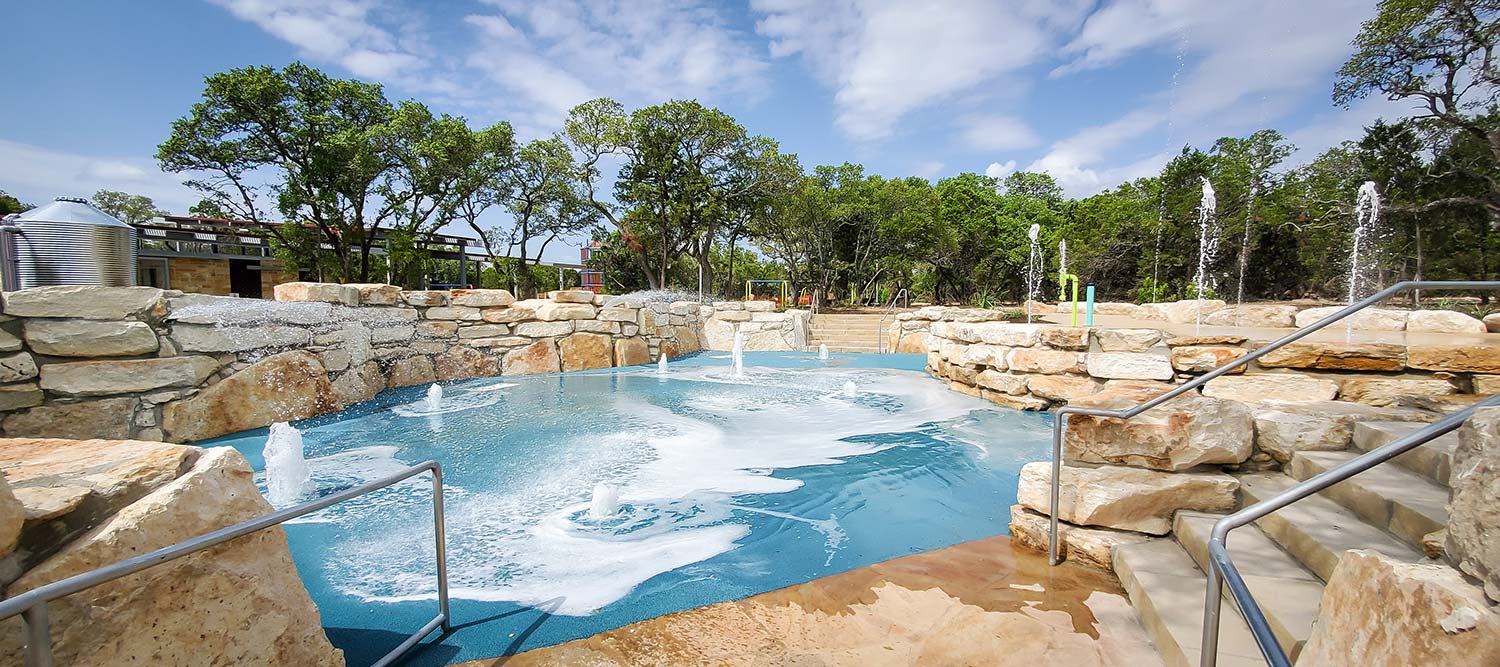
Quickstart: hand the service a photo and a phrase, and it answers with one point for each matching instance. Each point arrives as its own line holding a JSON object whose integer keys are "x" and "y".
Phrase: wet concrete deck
{"x": 979, "y": 603}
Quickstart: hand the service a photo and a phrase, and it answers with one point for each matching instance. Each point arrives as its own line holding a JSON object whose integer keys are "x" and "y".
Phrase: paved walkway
{"x": 980, "y": 603}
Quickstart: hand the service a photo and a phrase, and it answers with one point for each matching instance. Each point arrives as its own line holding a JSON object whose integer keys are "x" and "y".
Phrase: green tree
{"x": 130, "y": 208}
{"x": 9, "y": 204}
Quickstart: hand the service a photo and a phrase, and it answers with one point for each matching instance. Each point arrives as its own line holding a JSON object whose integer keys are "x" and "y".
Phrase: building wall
{"x": 200, "y": 276}
{"x": 270, "y": 278}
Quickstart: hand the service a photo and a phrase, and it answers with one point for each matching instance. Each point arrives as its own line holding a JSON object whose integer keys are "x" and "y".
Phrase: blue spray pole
{"x": 1088, "y": 315}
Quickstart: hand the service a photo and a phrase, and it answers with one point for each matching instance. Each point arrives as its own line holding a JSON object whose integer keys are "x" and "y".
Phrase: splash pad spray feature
{"x": 1208, "y": 244}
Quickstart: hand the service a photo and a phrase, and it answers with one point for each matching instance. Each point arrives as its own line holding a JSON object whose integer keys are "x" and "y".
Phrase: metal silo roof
{"x": 68, "y": 209}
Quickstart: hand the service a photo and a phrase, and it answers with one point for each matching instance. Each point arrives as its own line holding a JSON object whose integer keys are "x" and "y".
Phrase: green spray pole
{"x": 1062, "y": 279}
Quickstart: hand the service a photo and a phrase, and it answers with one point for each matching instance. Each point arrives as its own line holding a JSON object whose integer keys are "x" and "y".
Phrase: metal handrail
{"x": 890, "y": 311}
{"x": 1222, "y": 570}
{"x": 32, "y": 605}
{"x": 1060, "y": 416}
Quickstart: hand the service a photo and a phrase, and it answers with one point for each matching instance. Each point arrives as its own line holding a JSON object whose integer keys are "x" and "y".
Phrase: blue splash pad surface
{"x": 728, "y": 486}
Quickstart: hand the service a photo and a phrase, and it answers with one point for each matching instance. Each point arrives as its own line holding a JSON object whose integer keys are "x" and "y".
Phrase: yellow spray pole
{"x": 1062, "y": 293}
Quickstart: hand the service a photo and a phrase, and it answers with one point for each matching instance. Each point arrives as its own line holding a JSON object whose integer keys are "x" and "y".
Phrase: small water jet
{"x": 1366, "y": 216}
{"x": 1033, "y": 268}
{"x": 823, "y": 351}
{"x": 605, "y": 502}
{"x": 434, "y": 400}
{"x": 661, "y": 364}
{"x": 288, "y": 477}
{"x": 1208, "y": 244}
{"x": 850, "y": 389}
{"x": 737, "y": 354}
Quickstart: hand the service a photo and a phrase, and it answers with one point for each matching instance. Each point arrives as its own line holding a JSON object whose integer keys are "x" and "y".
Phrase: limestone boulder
{"x": 1283, "y": 429}
{"x": 1473, "y": 541}
{"x": 87, "y": 302}
{"x": 632, "y": 351}
{"x": 1004, "y": 383}
{"x": 1027, "y": 360}
{"x": 1001, "y": 333}
{"x": 1258, "y": 315}
{"x": 507, "y": 314}
{"x": 1455, "y": 358}
{"x": 718, "y": 334}
{"x": 360, "y": 383}
{"x": 538, "y": 357}
{"x": 282, "y": 387}
{"x": 1176, "y": 340}
{"x": 1444, "y": 321}
{"x": 1492, "y": 322}
{"x": 1122, "y": 497}
{"x": 347, "y": 295}
{"x": 1092, "y": 547}
{"x": 90, "y": 338}
{"x": 425, "y": 298}
{"x": 1187, "y": 431}
{"x": 981, "y": 354}
{"x": 1333, "y": 355}
{"x": 1065, "y": 388}
{"x": 240, "y": 603}
{"x": 104, "y": 418}
{"x": 1129, "y": 366}
{"x": 12, "y": 516}
{"x": 571, "y": 296}
{"x": 550, "y": 311}
{"x": 1393, "y": 390}
{"x": 462, "y": 363}
{"x": 204, "y": 338}
{"x": 436, "y": 329}
{"x": 1065, "y": 338}
{"x": 1256, "y": 387}
{"x": 1179, "y": 312}
{"x": 9, "y": 342}
{"x": 453, "y": 313}
{"x": 1127, "y": 340}
{"x": 756, "y": 306}
{"x": 19, "y": 396}
{"x": 377, "y": 294}
{"x": 1204, "y": 358}
{"x": 126, "y": 376}
{"x": 1015, "y": 402}
{"x": 1369, "y": 319}
{"x": 483, "y": 331}
{"x": 1485, "y": 385}
{"x": 481, "y": 298}
{"x": 17, "y": 367}
{"x": 1380, "y": 612}
{"x": 411, "y": 371}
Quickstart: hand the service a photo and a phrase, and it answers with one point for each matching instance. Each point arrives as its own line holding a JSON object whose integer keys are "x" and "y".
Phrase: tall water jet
{"x": 1366, "y": 216}
{"x": 823, "y": 352}
{"x": 1208, "y": 244}
{"x": 287, "y": 475}
{"x": 661, "y": 364}
{"x": 434, "y": 399}
{"x": 1033, "y": 268}
{"x": 1062, "y": 256}
{"x": 605, "y": 502}
{"x": 1239, "y": 297}
{"x": 737, "y": 354}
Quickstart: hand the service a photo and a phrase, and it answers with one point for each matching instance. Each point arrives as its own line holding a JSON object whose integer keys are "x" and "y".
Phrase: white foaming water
{"x": 428, "y": 406}
{"x": 605, "y": 503}
{"x": 1033, "y": 268}
{"x": 1208, "y": 244}
{"x": 823, "y": 351}
{"x": 434, "y": 397}
{"x": 534, "y": 537}
{"x": 661, "y": 364}
{"x": 492, "y": 387}
{"x": 737, "y": 354}
{"x": 850, "y": 389}
{"x": 288, "y": 477}
{"x": 1366, "y": 216}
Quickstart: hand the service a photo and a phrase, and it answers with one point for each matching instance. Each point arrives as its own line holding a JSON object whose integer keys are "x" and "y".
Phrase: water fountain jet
{"x": 434, "y": 400}
{"x": 661, "y": 364}
{"x": 737, "y": 354}
{"x": 823, "y": 352}
{"x": 287, "y": 476}
{"x": 1033, "y": 268}
{"x": 605, "y": 502}
{"x": 1208, "y": 244}
{"x": 1366, "y": 215}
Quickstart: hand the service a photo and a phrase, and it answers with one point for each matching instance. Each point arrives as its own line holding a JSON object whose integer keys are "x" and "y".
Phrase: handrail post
{"x": 38, "y": 636}
{"x": 440, "y": 535}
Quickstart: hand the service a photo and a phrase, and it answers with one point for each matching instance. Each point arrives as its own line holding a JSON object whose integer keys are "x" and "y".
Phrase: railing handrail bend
{"x": 32, "y": 605}
{"x": 890, "y": 310}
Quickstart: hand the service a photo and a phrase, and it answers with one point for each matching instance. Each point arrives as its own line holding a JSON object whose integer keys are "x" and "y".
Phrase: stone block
{"x": 1257, "y": 315}
{"x": 84, "y": 301}
{"x": 462, "y": 363}
{"x": 425, "y": 298}
{"x": 1001, "y": 382}
{"x": 1283, "y": 429}
{"x": 1390, "y": 390}
{"x": 456, "y": 313}
{"x": 483, "y": 331}
{"x": 1091, "y": 547}
{"x": 1369, "y": 319}
{"x": 1444, "y": 321}
{"x": 282, "y": 387}
{"x": 584, "y": 351}
{"x": 1256, "y": 387}
{"x": 1179, "y": 312}
{"x": 1337, "y": 356}
{"x": 1129, "y": 366}
{"x": 411, "y": 371}
{"x": 760, "y": 306}
{"x": 1473, "y": 540}
{"x": 18, "y": 396}
{"x": 1124, "y": 498}
{"x": 105, "y": 418}
{"x": 360, "y": 383}
{"x": 733, "y": 316}
{"x": 1187, "y": 431}
{"x": 1065, "y": 338}
{"x": 127, "y": 376}
{"x": 17, "y": 367}
{"x": 632, "y": 351}
{"x": 436, "y": 329}
{"x": 1204, "y": 358}
{"x": 1018, "y": 402}
{"x": 573, "y": 296}
{"x": 1066, "y": 388}
{"x": 1000, "y": 333}
{"x": 1127, "y": 340}
{"x": 1025, "y": 360}
{"x": 549, "y": 311}
{"x": 621, "y": 314}
{"x": 481, "y": 298}
{"x": 347, "y": 295}
{"x": 385, "y": 335}
{"x": 204, "y": 338}
{"x": 544, "y": 329}
{"x": 980, "y": 354}
{"x": 90, "y": 338}
{"x": 1455, "y": 358}
{"x": 377, "y": 294}
{"x": 538, "y": 357}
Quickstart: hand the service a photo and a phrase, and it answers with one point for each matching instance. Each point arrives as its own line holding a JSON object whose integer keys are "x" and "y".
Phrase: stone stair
{"x": 1287, "y": 556}
{"x": 847, "y": 332}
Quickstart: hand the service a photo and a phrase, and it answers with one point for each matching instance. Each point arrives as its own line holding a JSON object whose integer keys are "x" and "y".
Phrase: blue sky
{"x": 1094, "y": 93}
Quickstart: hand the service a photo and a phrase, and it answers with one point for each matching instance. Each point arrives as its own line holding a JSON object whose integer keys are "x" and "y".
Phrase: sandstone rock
{"x": 571, "y": 296}
{"x": 506, "y": 315}
{"x": 392, "y": 334}
{"x": 127, "y": 376}
{"x": 44, "y": 503}
{"x": 1092, "y": 547}
{"x": 12, "y": 515}
{"x": 623, "y": 314}
{"x": 1386, "y": 391}
{"x": 1456, "y": 358}
{"x": 980, "y": 354}
{"x": 235, "y": 311}
{"x": 1129, "y": 366}
{"x": 360, "y": 383}
{"x": 1002, "y": 382}
{"x": 260, "y": 614}
{"x": 1283, "y": 429}
{"x": 425, "y": 298}
{"x": 632, "y": 351}
{"x": 18, "y": 396}
{"x": 1187, "y": 431}
{"x": 9, "y": 342}
{"x": 87, "y": 302}
{"x": 1066, "y": 338}
{"x": 910, "y": 342}
{"x": 1444, "y": 321}
{"x": 1100, "y": 308}
{"x": 1065, "y": 388}
{"x": 112, "y": 473}
{"x": 733, "y": 316}
{"x": 1179, "y": 312}
{"x": 1204, "y": 358}
{"x": 334, "y": 360}
{"x": 462, "y": 363}
{"x": 1486, "y": 384}
{"x": 538, "y": 357}
{"x": 1001, "y": 333}
{"x": 201, "y": 338}
{"x": 1338, "y": 356}
{"x": 1492, "y": 322}
{"x": 1023, "y": 360}
{"x": 282, "y": 387}
{"x": 1021, "y": 402}
{"x": 1254, "y": 387}
{"x": 377, "y": 294}
{"x": 105, "y": 418}
{"x": 483, "y": 331}
{"x": 1369, "y": 319}
{"x": 718, "y": 334}
{"x": 1380, "y": 612}
{"x": 411, "y": 371}
{"x": 549, "y": 311}
{"x": 89, "y": 338}
{"x": 463, "y": 313}
{"x": 1127, "y": 340}
{"x": 1124, "y": 498}
{"x": 760, "y": 306}
{"x": 482, "y": 298}
{"x": 544, "y": 329}
{"x": 17, "y": 367}
{"x": 437, "y": 329}
{"x": 596, "y": 326}
{"x": 584, "y": 351}
{"x": 348, "y": 295}
{"x": 1175, "y": 340}
{"x": 1259, "y": 315}
{"x": 1473, "y": 541}
{"x": 682, "y": 307}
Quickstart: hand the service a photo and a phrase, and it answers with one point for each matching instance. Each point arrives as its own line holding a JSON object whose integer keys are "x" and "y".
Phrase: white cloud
{"x": 342, "y": 31}
{"x": 37, "y": 175}
{"x": 885, "y": 59}
{"x": 1000, "y": 170}
{"x": 997, "y": 133}
{"x": 930, "y": 169}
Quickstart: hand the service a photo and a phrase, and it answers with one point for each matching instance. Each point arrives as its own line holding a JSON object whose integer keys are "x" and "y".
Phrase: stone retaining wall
{"x": 139, "y": 362}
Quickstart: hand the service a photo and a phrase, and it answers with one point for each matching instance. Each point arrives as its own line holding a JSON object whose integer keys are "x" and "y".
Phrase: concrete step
{"x": 1316, "y": 530}
{"x": 1402, "y": 502}
{"x": 1433, "y": 460}
{"x": 844, "y": 333}
{"x": 865, "y": 349}
{"x": 1168, "y": 590}
{"x": 1288, "y": 593}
